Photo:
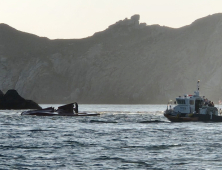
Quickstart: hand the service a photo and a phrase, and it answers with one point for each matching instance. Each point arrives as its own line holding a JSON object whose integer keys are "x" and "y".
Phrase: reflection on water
{"x": 123, "y": 137}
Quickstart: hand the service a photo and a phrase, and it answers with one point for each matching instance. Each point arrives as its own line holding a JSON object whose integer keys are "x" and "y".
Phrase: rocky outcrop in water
{"x": 129, "y": 62}
{"x": 1, "y": 95}
{"x": 12, "y": 100}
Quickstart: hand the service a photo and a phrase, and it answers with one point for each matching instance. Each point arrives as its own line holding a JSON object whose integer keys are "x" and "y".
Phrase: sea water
{"x": 122, "y": 137}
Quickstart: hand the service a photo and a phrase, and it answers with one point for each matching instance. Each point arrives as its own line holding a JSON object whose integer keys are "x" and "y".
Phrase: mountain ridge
{"x": 129, "y": 62}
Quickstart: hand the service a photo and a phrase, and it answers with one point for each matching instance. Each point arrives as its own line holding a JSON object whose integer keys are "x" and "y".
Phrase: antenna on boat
{"x": 198, "y": 88}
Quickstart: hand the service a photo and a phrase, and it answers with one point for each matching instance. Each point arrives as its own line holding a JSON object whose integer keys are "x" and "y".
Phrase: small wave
{"x": 153, "y": 147}
{"x": 152, "y": 121}
{"x": 130, "y": 112}
{"x": 79, "y": 144}
{"x": 100, "y": 121}
{"x": 2, "y": 155}
{"x": 139, "y": 163}
{"x": 7, "y": 124}
{"x": 109, "y": 158}
{"x": 37, "y": 130}
{"x": 160, "y": 147}
{"x": 6, "y": 147}
{"x": 75, "y": 143}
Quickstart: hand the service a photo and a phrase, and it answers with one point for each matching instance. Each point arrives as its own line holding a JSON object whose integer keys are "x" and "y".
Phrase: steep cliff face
{"x": 128, "y": 62}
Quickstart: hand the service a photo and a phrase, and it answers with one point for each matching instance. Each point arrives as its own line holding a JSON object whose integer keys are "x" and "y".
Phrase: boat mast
{"x": 198, "y": 88}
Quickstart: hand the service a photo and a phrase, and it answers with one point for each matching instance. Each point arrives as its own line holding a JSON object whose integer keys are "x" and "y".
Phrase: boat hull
{"x": 58, "y": 114}
{"x": 65, "y": 110}
{"x": 194, "y": 118}
{"x": 180, "y": 119}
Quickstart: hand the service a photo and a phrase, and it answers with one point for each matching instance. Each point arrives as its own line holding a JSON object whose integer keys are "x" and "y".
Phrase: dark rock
{"x": 135, "y": 17}
{"x": 12, "y": 100}
{"x": 1, "y": 94}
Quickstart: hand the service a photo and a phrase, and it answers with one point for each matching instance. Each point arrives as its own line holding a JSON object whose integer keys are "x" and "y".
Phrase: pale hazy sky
{"x": 82, "y": 18}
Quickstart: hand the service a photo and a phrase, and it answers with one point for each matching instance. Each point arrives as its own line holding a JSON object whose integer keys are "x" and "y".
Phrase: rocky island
{"x": 11, "y": 100}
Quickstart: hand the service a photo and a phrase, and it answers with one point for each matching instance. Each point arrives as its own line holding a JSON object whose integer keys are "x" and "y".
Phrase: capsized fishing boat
{"x": 193, "y": 108}
{"x": 64, "y": 110}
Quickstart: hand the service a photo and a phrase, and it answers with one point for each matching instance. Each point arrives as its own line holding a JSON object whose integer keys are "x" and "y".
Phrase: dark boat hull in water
{"x": 194, "y": 118}
{"x": 57, "y": 114}
{"x": 66, "y": 110}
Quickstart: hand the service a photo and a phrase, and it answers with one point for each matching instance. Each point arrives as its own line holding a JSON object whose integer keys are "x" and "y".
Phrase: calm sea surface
{"x": 122, "y": 137}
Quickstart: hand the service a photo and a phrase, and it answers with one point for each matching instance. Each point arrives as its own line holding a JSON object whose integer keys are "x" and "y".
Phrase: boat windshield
{"x": 181, "y": 101}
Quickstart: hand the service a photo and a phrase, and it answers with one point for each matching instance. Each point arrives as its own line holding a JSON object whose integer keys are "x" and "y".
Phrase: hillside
{"x": 129, "y": 62}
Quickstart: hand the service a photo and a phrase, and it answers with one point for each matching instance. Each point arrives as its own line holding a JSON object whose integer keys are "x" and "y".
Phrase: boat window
{"x": 191, "y": 102}
{"x": 181, "y": 101}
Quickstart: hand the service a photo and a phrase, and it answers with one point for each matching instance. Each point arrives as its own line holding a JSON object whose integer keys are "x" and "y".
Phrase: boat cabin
{"x": 189, "y": 103}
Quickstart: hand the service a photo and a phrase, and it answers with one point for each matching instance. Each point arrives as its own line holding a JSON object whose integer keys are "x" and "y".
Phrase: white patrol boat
{"x": 193, "y": 108}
